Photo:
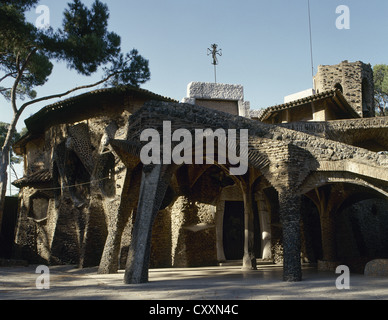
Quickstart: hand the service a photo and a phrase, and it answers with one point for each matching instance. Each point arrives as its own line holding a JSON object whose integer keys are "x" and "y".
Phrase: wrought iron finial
{"x": 214, "y": 52}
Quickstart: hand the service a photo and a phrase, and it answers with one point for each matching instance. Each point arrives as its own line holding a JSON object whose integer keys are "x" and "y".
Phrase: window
{"x": 39, "y": 205}
{"x": 367, "y": 99}
{"x": 338, "y": 86}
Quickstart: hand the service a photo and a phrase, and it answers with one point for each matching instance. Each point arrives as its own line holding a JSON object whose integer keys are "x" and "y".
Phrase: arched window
{"x": 39, "y": 204}
{"x": 367, "y": 99}
{"x": 338, "y": 86}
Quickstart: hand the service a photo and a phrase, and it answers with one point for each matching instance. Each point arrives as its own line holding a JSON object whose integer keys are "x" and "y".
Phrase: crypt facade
{"x": 315, "y": 191}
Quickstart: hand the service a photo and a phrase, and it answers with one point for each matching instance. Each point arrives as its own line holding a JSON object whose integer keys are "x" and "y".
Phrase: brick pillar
{"x": 155, "y": 181}
{"x": 290, "y": 216}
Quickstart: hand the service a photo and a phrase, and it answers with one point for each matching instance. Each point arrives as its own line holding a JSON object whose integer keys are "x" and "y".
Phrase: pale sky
{"x": 265, "y": 44}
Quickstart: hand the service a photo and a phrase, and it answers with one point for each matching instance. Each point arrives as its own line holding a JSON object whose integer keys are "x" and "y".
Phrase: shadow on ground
{"x": 212, "y": 283}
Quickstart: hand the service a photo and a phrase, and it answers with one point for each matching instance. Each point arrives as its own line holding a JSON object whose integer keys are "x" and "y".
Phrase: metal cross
{"x": 214, "y": 52}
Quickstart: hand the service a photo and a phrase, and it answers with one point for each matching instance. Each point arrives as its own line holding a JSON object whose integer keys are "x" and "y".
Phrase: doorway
{"x": 234, "y": 230}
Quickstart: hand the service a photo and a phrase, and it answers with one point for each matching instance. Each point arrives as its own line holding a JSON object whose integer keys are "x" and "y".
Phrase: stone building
{"x": 315, "y": 191}
{"x": 354, "y": 80}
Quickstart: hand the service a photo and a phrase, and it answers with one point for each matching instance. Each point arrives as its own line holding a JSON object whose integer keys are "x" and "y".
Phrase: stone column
{"x": 220, "y": 231}
{"x": 290, "y": 216}
{"x": 328, "y": 237}
{"x": 183, "y": 214}
{"x": 129, "y": 197}
{"x": 249, "y": 259}
{"x": 155, "y": 181}
{"x": 265, "y": 227}
{"x": 110, "y": 262}
{"x": 95, "y": 233}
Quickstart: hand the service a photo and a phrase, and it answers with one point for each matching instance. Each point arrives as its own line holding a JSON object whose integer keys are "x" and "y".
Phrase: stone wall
{"x": 362, "y": 233}
{"x": 184, "y": 234}
{"x": 354, "y": 79}
{"x": 367, "y": 133}
{"x": 82, "y": 219}
{"x": 78, "y": 219}
{"x": 222, "y": 97}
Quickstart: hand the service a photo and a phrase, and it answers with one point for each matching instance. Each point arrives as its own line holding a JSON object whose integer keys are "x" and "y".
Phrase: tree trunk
{"x": 4, "y": 163}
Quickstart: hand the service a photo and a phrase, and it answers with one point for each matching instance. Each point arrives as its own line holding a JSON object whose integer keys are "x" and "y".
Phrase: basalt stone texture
{"x": 377, "y": 268}
{"x": 355, "y": 80}
{"x": 93, "y": 205}
{"x": 200, "y": 90}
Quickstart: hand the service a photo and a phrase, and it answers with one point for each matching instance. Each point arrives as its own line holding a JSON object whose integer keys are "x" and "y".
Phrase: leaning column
{"x": 155, "y": 181}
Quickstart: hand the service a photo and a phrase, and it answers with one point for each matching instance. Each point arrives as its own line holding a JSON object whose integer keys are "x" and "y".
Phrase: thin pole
{"x": 215, "y": 73}
{"x": 311, "y": 42}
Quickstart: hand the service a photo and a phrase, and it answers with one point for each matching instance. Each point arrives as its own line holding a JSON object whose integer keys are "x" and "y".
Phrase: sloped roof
{"x": 42, "y": 176}
{"x": 335, "y": 95}
{"x": 256, "y": 114}
{"x": 73, "y": 105}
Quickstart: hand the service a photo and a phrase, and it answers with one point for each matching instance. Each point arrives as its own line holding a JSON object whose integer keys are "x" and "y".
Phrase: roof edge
{"x": 60, "y": 105}
{"x": 306, "y": 100}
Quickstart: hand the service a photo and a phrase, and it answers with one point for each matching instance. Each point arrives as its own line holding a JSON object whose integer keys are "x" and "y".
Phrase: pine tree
{"x": 27, "y": 54}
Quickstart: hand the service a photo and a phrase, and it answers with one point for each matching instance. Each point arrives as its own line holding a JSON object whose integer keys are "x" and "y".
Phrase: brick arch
{"x": 319, "y": 179}
{"x": 265, "y": 141}
{"x": 332, "y": 193}
{"x": 286, "y": 158}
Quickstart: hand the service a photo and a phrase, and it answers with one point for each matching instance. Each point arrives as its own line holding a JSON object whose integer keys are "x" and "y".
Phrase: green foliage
{"x": 15, "y": 44}
{"x": 135, "y": 69}
{"x": 20, "y": 4}
{"x": 83, "y": 42}
{"x": 380, "y": 73}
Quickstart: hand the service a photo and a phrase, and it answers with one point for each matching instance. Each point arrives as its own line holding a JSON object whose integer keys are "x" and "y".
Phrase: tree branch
{"x": 19, "y": 77}
{"x": 60, "y": 95}
{"x": 8, "y": 75}
{"x": 14, "y": 171}
{"x": 17, "y": 63}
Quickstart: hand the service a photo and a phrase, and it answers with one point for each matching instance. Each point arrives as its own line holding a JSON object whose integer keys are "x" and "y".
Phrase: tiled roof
{"x": 42, "y": 176}
{"x": 256, "y": 114}
{"x": 59, "y": 109}
{"x": 320, "y": 96}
